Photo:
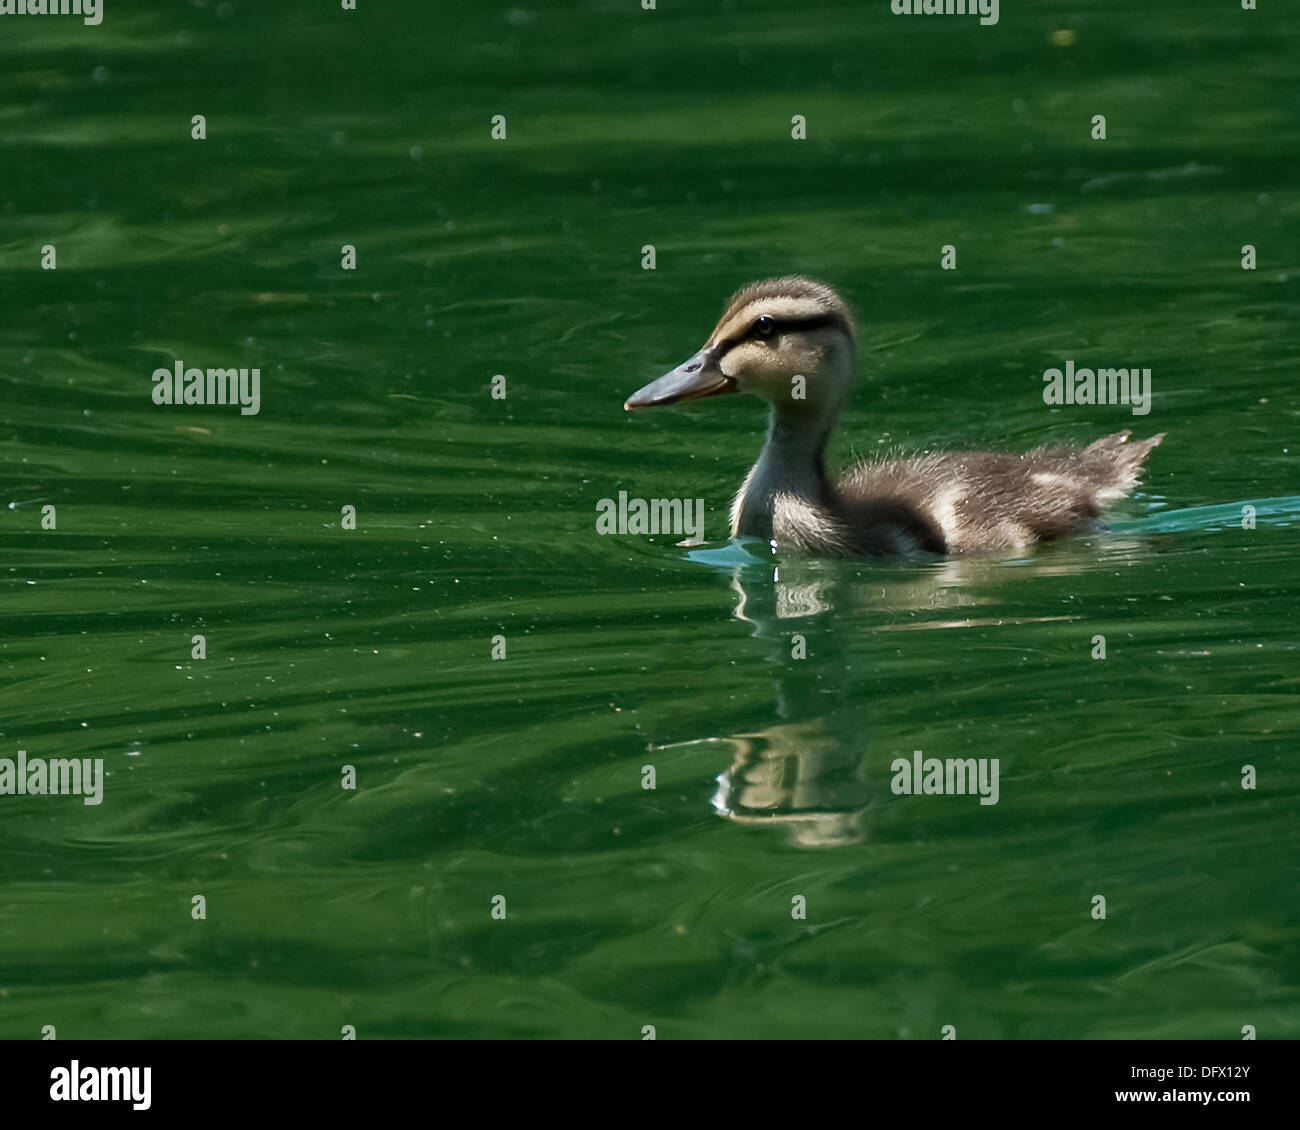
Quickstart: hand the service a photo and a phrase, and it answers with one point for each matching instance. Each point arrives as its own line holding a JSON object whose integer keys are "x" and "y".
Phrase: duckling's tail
{"x": 1113, "y": 464}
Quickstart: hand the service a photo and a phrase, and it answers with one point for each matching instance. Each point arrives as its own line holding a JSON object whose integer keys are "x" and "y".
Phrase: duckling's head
{"x": 787, "y": 340}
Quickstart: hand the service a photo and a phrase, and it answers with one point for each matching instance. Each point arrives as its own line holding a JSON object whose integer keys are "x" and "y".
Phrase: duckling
{"x": 790, "y": 341}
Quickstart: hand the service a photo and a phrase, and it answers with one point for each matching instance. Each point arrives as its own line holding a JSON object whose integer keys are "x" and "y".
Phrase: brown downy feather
{"x": 954, "y": 501}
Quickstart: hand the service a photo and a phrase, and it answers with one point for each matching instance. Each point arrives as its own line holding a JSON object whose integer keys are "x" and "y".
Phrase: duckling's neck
{"x": 791, "y": 471}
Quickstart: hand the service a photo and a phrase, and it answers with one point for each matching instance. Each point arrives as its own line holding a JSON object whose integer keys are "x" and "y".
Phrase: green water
{"x": 522, "y": 777}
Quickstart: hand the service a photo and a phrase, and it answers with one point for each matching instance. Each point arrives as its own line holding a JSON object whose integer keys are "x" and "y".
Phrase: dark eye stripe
{"x": 781, "y": 325}
{"x": 813, "y": 322}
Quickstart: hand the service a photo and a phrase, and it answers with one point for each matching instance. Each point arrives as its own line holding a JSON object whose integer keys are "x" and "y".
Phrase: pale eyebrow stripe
{"x": 779, "y": 309}
{"x": 800, "y": 322}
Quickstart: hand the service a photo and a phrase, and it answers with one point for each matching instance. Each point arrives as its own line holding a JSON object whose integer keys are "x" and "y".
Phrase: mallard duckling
{"x": 791, "y": 342}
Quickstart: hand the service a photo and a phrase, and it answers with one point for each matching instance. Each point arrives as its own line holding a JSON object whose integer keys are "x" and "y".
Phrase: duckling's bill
{"x": 693, "y": 379}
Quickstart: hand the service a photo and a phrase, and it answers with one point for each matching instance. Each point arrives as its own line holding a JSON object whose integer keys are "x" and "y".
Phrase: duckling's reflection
{"x": 808, "y": 771}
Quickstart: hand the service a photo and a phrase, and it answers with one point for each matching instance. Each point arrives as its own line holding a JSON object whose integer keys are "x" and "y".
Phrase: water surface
{"x": 522, "y": 776}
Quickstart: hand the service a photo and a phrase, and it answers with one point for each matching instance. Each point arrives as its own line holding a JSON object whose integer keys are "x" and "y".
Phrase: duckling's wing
{"x": 997, "y": 500}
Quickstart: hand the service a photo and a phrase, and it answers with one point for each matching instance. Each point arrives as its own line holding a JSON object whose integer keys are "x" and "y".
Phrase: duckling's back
{"x": 957, "y": 501}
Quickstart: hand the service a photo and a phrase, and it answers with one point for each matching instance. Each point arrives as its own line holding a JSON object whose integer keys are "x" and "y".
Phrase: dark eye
{"x": 763, "y": 326}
